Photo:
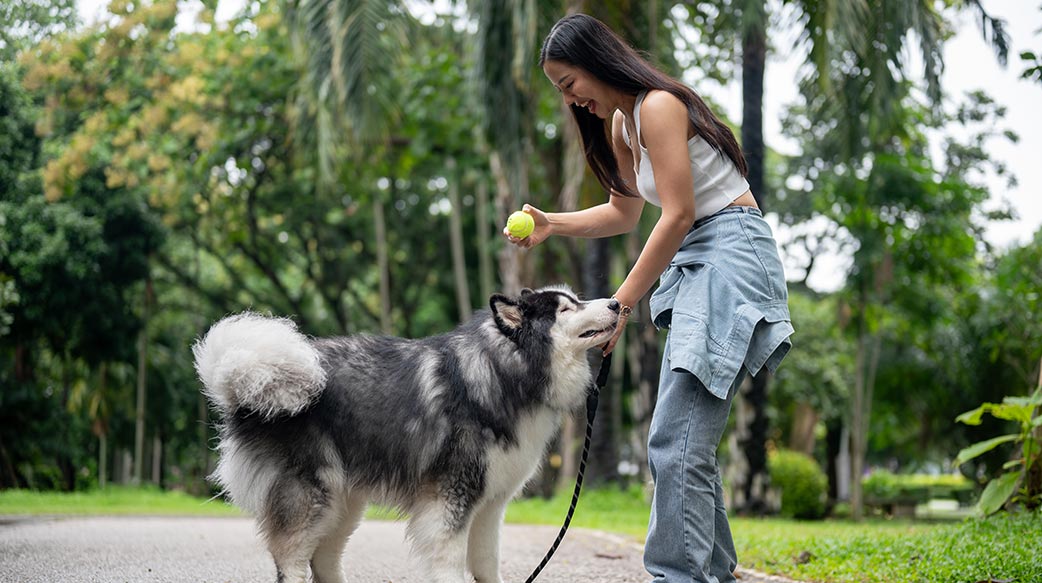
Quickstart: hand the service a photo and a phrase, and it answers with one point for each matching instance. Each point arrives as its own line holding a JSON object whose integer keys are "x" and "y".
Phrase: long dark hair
{"x": 585, "y": 42}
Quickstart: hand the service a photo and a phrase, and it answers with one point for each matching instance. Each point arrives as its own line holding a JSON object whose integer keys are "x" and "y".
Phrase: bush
{"x": 885, "y": 489}
{"x": 801, "y": 482}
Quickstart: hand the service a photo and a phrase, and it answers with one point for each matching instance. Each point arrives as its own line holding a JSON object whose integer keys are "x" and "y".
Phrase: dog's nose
{"x": 614, "y": 305}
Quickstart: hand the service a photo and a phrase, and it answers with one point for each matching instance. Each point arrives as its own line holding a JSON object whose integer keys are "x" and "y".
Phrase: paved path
{"x": 227, "y": 550}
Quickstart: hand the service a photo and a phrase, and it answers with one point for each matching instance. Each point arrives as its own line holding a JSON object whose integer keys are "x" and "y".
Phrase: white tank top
{"x": 717, "y": 182}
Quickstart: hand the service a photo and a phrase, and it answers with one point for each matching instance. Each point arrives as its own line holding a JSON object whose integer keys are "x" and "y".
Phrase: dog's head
{"x": 557, "y": 314}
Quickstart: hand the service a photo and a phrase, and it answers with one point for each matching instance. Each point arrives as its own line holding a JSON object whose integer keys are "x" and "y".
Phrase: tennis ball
{"x": 520, "y": 224}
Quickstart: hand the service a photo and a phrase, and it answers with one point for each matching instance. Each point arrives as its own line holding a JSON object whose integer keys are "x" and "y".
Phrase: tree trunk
{"x": 833, "y": 446}
{"x": 459, "y": 262}
{"x": 752, "y": 400}
{"x": 857, "y": 446}
{"x": 380, "y": 226}
{"x": 101, "y": 428}
{"x": 484, "y": 242}
{"x": 103, "y": 460}
{"x": 10, "y": 477}
{"x": 509, "y": 255}
{"x": 566, "y": 448}
{"x": 604, "y": 449}
{"x": 142, "y": 379}
{"x": 644, "y": 359}
{"x": 754, "y": 55}
{"x": 804, "y": 421}
{"x": 869, "y": 347}
{"x": 748, "y": 465}
{"x": 157, "y": 459}
{"x": 65, "y": 463}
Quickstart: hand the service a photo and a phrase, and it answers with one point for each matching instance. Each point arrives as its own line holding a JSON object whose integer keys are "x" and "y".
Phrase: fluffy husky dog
{"x": 447, "y": 429}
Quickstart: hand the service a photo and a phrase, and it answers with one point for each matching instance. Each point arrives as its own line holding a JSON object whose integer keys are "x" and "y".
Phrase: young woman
{"x": 649, "y": 138}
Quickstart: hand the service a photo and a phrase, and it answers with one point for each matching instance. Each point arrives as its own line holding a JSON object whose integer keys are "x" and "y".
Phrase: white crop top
{"x": 717, "y": 182}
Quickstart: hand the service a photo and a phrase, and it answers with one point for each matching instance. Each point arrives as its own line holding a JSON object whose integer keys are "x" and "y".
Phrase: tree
{"x": 867, "y": 168}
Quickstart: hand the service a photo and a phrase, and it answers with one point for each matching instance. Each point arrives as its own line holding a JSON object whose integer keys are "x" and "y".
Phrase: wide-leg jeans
{"x": 689, "y": 538}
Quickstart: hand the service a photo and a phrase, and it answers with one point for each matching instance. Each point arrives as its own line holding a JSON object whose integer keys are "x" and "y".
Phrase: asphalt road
{"x": 227, "y": 550}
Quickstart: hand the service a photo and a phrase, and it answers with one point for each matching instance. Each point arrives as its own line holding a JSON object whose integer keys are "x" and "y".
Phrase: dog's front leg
{"x": 440, "y": 542}
{"x": 483, "y": 547}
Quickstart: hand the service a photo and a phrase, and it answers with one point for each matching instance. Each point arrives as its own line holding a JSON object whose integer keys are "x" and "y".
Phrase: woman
{"x": 721, "y": 292}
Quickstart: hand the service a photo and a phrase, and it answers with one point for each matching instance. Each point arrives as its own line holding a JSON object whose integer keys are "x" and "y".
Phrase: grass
{"x": 114, "y": 500}
{"x": 1005, "y": 547}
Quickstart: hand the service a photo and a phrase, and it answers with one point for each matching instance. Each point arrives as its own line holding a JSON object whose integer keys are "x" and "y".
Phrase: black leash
{"x": 591, "y": 412}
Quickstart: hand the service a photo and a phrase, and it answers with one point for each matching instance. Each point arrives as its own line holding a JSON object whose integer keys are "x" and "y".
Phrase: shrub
{"x": 801, "y": 482}
{"x": 885, "y": 489}
{"x": 1021, "y": 480}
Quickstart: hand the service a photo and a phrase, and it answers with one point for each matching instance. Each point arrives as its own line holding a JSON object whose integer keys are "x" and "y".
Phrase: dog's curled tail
{"x": 259, "y": 363}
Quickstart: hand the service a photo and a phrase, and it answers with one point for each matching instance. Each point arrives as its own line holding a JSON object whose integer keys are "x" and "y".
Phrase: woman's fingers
{"x": 615, "y": 337}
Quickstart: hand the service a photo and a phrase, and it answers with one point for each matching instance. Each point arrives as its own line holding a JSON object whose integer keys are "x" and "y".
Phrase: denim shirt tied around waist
{"x": 724, "y": 299}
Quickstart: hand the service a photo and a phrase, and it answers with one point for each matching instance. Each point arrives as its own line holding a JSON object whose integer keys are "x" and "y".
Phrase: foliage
{"x": 1032, "y": 63}
{"x": 801, "y": 483}
{"x": 884, "y": 488}
{"x": 27, "y": 22}
{"x": 999, "y": 548}
{"x": 819, "y": 373}
{"x": 1025, "y": 469}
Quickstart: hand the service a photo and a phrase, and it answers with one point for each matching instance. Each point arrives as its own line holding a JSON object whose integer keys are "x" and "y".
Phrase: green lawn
{"x": 971, "y": 551}
{"x": 112, "y": 500}
{"x": 892, "y": 551}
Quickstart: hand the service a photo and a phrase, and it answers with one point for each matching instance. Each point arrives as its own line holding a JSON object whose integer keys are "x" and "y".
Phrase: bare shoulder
{"x": 663, "y": 116}
{"x": 662, "y": 107}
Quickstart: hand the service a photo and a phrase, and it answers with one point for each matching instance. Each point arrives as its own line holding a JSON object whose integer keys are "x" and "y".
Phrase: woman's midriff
{"x": 745, "y": 200}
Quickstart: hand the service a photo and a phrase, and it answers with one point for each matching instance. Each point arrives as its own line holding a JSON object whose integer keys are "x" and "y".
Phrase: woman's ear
{"x": 506, "y": 312}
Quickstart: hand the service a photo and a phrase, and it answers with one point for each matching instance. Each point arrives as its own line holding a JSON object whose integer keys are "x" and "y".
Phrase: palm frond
{"x": 350, "y": 51}
{"x": 994, "y": 32}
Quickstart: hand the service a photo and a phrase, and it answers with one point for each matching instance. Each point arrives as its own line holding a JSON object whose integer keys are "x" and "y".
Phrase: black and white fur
{"x": 447, "y": 428}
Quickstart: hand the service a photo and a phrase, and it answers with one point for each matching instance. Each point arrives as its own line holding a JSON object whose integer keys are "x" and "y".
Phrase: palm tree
{"x": 350, "y": 50}
{"x": 830, "y": 30}
{"x": 864, "y": 92}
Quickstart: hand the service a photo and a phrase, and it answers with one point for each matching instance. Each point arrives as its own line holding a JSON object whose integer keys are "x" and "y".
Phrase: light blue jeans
{"x": 689, "y": 538}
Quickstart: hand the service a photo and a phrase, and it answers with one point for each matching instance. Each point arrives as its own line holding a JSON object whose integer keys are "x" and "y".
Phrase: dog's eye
{"x": 565, "y": 309}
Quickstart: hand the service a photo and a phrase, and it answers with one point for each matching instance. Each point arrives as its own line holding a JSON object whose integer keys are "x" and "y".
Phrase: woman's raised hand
{"x": 541, "y": 232}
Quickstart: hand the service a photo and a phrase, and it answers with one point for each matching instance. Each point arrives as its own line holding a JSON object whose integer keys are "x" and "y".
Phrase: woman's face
{"x": 579, "y": 87}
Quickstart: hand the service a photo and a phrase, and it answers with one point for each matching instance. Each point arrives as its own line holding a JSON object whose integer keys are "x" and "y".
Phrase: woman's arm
{"x": 619, "y": 215}
{"x": 664, "y": 129}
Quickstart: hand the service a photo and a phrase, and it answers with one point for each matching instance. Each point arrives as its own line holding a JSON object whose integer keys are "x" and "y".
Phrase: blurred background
{"x": 350, "y": 164}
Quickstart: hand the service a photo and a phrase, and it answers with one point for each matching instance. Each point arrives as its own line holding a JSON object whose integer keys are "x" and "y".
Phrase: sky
{"x": 970, "y": 64}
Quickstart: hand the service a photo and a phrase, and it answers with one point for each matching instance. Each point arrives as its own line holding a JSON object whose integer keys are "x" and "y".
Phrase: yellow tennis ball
{"x": 520, "y": 224}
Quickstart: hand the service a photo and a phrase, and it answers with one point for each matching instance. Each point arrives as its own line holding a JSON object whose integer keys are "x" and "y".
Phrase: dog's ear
{"x": 506, "y": 312}
{"x": 526, "y": 291}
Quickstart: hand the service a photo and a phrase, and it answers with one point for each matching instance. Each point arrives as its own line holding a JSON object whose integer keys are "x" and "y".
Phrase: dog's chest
{"x": 509, "y": 467}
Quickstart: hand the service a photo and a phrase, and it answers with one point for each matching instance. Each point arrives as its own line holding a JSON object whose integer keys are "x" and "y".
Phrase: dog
{"x": 446, "y": 429}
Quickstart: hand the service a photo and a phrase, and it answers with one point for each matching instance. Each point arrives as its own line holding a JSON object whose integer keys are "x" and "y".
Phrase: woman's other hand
{"x": 623, "y": 319}
{"x": 541, "y": 233}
